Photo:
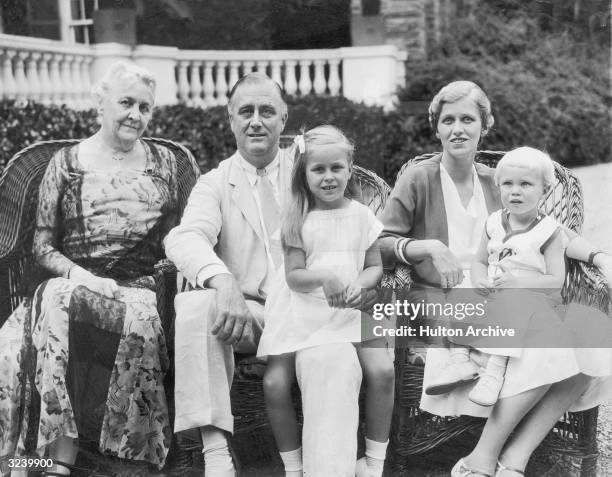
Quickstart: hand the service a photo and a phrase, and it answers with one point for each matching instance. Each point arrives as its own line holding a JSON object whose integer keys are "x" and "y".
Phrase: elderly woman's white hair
{"x": 122, "y": 70}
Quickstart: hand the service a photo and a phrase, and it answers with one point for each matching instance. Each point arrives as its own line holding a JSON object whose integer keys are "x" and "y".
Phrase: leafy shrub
{"x": 206, "y": 132}
{"x": 547, "y": 90}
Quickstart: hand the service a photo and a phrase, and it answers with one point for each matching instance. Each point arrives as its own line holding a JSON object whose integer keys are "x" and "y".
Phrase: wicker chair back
{"x": 19, "y": 198}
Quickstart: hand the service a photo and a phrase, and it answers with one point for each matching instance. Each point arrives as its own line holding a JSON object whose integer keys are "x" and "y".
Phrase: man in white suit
{"x": 223, "y": 247}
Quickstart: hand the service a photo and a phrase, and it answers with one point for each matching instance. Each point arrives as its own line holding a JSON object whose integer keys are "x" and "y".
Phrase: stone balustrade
{"x": 61, "y": 73}
{"x": 45, "y": 71}
{"x": 206, "y": 77}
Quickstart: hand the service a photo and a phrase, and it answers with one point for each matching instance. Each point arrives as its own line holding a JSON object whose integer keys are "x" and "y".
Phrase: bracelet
{"x": 592, "y": 256}
{"x": 400, "y": 247}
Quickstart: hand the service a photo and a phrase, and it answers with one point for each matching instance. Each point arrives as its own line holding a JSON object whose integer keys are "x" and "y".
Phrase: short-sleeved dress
{"x": 533, "y": 366}
{"x": 334, "y": 240}
{"x": 530, "y": 313}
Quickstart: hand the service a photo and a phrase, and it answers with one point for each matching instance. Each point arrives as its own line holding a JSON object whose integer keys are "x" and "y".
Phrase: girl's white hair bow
{"x": 299, "y": 142}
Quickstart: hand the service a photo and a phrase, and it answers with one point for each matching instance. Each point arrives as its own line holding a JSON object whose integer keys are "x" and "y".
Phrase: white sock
{"x": 217, "y": 457}
{"x": 496, "y": 366}
{"x": 292, "y": 460}
{"x": 375, "y": 457}
{"x": 459, "y": 354}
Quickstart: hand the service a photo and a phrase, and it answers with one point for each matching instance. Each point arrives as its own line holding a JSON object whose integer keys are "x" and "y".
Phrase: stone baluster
{"x": 56, "y": 80}
{"x": 262, "y": 65}
{"x": 77, "y": 83}
{"x": 319, "y": 77}
{"x": 209, "y": 84}
{"x": 32, "y": 76}
{"x": 21, "y": 82}
{"x": 247, "y": 67}
{"x": 290, "y": 81}
{"x": 221, "y": 84}
{"x": 67, "y": 87}
{"x": 45, "y": 79}
{"x": 334, "y": 77}
{"x": 276, "y": 71}
{"x": 196, "y": 84}
{"x": 8, "y": 80}
{"x": 1, "y": 84}
{"x": 305, "y": 85}
{"x": 183, "y": 82}
{"x": 233, "y": 75}
{"x": 86, "y": 76}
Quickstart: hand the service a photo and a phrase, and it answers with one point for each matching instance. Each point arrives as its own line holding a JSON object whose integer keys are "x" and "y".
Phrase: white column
{"x": 56, "y": 80}
{"x": 8, "y": 80}
{"x": 45, "y": 79}
{"x": 209, "y": 84}
{"x": 67, "y": 87}
{"x": 183, "y": 82}
{"x": 334, "y": 77}
{"x": 65, "y": 15}
{"x": 21, "y": 82}
{"x": 32, "y": 76}
{"x": 221, "y": 84}
{"x": 276, "y": 71}
{"x": 162, "y": 62}
{"x": 261, "y": 66}
{"x": 319, "y": 77}
{"x": 196, "y": 84}
{"x": 290, "y": 81}
{"x": 87, "y": 85}
{"x": 247, "y": 67}
{"x": 233, "y": 76}
{"x": 77, "y": 79}
{"x": 305, "y": 85}
{"x": 369, "y": 74}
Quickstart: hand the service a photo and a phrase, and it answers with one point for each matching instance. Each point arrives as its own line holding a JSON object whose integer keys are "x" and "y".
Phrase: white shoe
{"x": 361, "y": 469}
{"x": 455, "y": 374}
{"x": 462, "y": 470}
{"x": 486, "y": 392}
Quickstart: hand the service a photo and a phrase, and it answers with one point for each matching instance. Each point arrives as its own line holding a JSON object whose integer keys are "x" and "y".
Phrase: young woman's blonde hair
{"x": 455, "y": 91}
{"x": 530, "y": 157}
{"x": 302, "y": 200}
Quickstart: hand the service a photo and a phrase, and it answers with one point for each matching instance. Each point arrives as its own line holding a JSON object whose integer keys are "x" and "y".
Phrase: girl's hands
{"x": 505, "y": 279}
{"x": 353, "y": 294}
{"x": 484, "y": 286}
{"x": 104, "y": 286}
{"x": 334, "y": 291}
{"x": 447, "y": 265}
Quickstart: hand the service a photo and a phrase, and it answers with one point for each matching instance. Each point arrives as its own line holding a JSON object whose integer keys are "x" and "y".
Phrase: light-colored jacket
{"x": 220, "y": 231}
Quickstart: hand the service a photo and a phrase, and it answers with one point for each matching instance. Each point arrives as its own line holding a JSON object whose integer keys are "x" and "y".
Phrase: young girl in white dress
{"x": 520, "y": 248}
{"x": 331, "y": 257}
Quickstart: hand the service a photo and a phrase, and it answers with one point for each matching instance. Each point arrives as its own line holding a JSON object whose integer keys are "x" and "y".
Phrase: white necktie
{"x": 269, "y": 209}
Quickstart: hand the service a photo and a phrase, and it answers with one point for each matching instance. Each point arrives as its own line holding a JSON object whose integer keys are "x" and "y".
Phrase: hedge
{"x": 566, "y": 121}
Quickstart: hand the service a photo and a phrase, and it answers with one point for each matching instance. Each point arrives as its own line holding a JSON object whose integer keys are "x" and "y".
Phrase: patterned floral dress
{"x": 73, "y": 362}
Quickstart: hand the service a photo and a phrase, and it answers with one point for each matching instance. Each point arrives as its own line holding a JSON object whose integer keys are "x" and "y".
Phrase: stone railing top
{"x": 42, "y": 44}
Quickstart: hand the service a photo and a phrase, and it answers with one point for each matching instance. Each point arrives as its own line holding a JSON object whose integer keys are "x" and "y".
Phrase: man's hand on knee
{"x": 233, "y": 316}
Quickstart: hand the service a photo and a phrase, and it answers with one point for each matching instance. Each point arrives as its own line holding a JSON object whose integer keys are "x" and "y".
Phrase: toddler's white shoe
{"x": 487, "y": 389}
{"x": 455, "y": 374}
{"x": 361, "y": 470}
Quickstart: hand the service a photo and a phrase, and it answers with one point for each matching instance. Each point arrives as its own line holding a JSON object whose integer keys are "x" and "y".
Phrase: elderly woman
{"x": 100, "y": 357}
{"x": 434, "y": 221}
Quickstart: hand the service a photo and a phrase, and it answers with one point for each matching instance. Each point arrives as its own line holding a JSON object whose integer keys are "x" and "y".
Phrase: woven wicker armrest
{"x": 586, "y": 285}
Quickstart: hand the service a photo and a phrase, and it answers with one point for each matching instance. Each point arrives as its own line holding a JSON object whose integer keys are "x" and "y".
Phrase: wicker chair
{"x": 417, "y": 433}
{"x": 19, "y": 197}
{"x": 253, "y": 440}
